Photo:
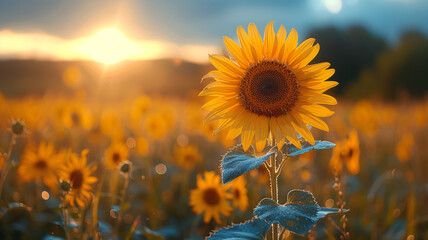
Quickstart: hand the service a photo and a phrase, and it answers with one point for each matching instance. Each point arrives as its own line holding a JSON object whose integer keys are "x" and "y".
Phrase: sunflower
{"x": 239, "y": 193}
{"x": 2, "y": 159}
{"x": 268, "y": 87}
{"x": 210, "y": 197}
{"x": 78, "y": 174}
{"x": 156, "y": 126}
{"x": 142, "y": 146}
{"x": 403, "y": 149}
{"x": 116, "y": 154}
{"x": 187, "y": 157}
{"x": 39, "y": 164}
{"x": 347, "y": 152}
{"x": 76, "y": 115}
{"x": 140, "y": 107}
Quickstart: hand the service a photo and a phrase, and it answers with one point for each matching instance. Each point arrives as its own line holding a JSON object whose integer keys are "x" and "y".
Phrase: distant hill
{"x": 157, "y": 77}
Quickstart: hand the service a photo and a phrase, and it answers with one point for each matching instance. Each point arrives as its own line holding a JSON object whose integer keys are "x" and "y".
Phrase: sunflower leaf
{"x": 237, "y": 162}
{"x": 255, "y": 228}
{"x": 299, "y": 214}
{"x": 291, "y": 150}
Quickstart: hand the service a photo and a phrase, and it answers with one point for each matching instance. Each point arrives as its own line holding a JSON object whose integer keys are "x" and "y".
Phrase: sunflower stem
{"x": 7, "y": 165}
{"x": 122, "y": 200}
{"x": 65, "y": 214}
{"x": 273, "y": 185}
{"x": 95, "y": 204}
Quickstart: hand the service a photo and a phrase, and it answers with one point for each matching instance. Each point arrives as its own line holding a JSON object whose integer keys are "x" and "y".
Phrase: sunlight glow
{"x": 334, "y": 6}
{"x": 109, "y": 46}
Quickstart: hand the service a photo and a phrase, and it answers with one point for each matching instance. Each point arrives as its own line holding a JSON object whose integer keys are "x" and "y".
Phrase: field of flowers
{"x": 79, "y": 168}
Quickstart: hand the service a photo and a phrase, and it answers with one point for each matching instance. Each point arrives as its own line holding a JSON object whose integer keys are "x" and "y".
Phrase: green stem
{"x": 122, "y": 200}
{"x": 273, "y": 173}
{"x": 7, "y": 165}
{"x": 95, "y": 203}
{"x": 274, "y": 191}
{"x": 65, "y": 213}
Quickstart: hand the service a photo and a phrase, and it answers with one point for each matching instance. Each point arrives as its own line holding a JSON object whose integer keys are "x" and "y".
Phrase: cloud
{"x": 41, "y": 46}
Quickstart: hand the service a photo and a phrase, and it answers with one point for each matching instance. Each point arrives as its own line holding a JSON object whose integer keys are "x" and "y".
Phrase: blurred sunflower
{"x": 116, "y": 154}
{"x": 364, "y": 118}
{"x": 111, "y": 124}
{"x": 403, "y": 149}
{"x": 75, "y": 115}
{"x": 268, "y": 87}
{"x": 187, "y": 157}
{"x": 2, "y": 160}
{"x": 78, "y": 174}
{"x": 156, "y": 126}
{"x": 39, "y": 164}
{"x": 140, "y": 107}
{"x": 142, "y": 146}
{"x": 210, "y": 197}
{"x": 347, "y": 152}
{"x": 239, "y": 193}
{"x": 261, "y": 174}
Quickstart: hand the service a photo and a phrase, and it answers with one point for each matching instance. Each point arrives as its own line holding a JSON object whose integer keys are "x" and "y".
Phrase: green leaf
{"x": 291, "y": 150}
{"x": 237, "y": 162}
{"x": 255, "y": 228}
{"x": 299, "y": 214}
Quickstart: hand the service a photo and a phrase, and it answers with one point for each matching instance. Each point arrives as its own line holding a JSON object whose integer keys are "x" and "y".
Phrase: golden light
{"x": 109, "y": 46}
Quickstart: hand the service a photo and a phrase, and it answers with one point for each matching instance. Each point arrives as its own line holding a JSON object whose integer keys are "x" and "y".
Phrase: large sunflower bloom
{"x": 210, "y": 197}
{"x": 269, "y": 86}
{"x": 39, "y": 164}
{"x": 78, "y": 174}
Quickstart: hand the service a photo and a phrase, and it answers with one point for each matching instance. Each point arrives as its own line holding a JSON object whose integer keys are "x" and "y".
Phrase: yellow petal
{"x": 314, "y": 121}
{"x": 269, "y": 41}
{"x": 226, "y": 65}
{"x": 262, "y": 129}
{"x": 290, "y": 45}
{"x": 318, "y": 110}
{"x": 301, "y": 49}
{"x": 284, "y": 122}
{"x": 236, "y": 51}
{"x": 256, "y": 41}
{"x": 307, "y": 56}
{"x": 245, "y": 43}
{"x": 248, "y": 133}
{"x": 301, "y": 127}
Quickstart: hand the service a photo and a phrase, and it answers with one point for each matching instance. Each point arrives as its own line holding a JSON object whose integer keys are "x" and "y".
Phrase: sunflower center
{"x": 269, "y": 88}
{"x": 237, "y": 193}
{"x": 75, "y": 118}
{"x": 76, "y": 179}
{"x": 41, "y": 164}
{"x": 211, "y": 196}
{"x": 189, "y": 158}
{"x": 116, "y": 157}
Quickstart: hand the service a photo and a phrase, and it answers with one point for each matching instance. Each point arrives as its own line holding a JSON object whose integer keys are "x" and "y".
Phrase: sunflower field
{"x": 262, "y": 149}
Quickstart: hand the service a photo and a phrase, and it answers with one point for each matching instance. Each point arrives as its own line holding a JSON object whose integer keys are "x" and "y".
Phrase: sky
{"x": 187, "y": 29}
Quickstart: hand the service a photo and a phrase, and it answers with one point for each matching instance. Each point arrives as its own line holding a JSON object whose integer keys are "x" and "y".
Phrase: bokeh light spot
{"x": 329, "y": 203}
{"x": 45, "y": 195}
{"x": 160, "y": 168}
{"x": 182, "y": 140}
{"x": 334, "y": 6}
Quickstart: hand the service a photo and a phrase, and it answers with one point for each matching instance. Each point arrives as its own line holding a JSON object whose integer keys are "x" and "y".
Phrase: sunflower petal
{"x": 262, "y": 130}
{"x": 236, "y": 52}
{"x": 256, "y": 41}
{"x": 225, "y": 65}
{"x": 290, "y": 45}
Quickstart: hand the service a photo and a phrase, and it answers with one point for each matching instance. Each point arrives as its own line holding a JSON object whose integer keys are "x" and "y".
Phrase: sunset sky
{"x": 138, "y": 29}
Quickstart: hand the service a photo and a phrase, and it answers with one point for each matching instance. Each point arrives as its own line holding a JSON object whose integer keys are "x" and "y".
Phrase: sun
{"x": 109, "y": 46}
